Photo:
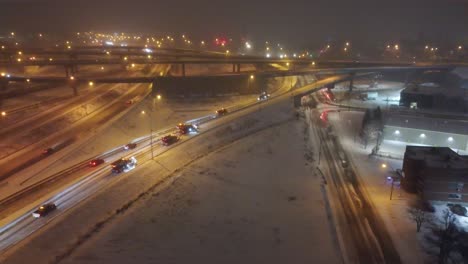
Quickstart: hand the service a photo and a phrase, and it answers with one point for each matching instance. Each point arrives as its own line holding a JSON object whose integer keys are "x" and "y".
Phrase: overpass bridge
{"x": 246, "y": 79}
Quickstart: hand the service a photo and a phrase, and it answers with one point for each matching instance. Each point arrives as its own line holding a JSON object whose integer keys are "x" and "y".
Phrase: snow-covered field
{"x": 255, "y": 201}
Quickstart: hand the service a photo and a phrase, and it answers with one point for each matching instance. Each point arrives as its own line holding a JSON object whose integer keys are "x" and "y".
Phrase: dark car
{"x": 44, "y": 210}
{"x": 123, "y": 165}
{"x": 221, "y": 112}
{"x": 130, "y": 146}
{"x": 170, "y": 139}
{"x": 187, "y": 128}
{"x": 263, "y": 96}
{"x": 47, "y": 151}
{"x": 96, "y": 162}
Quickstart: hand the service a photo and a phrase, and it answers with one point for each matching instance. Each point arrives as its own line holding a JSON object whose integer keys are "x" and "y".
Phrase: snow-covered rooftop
{"x": 437, "y": 157}
{"x": 427, "y": 123}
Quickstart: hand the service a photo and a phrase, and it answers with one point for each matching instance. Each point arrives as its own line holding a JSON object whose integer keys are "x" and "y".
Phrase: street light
{"x": 384, "y": 166}
{"x": 3, "y": 113}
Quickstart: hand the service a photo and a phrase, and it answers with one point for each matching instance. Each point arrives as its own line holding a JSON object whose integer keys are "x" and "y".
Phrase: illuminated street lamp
{"x": 252, "y": 77}
{"x": 3, "y": 113}
{"x": 397, "y": 47}
{"x": 460, "y": 47}
{"x": 91, "y": 83}
{"x": 158, "y": 98}
{"x": 72, "y": 78}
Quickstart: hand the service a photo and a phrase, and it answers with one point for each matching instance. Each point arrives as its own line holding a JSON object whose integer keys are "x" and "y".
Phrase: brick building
{"x": 436, "y": 173}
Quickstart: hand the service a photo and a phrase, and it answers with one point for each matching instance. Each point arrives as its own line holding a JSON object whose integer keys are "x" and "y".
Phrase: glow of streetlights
{"x": 460, "y": 47}
{"x": 247, "y": 45}
{"x": 28, "y": 80}
{"x": 91, "y": 83}
{"x": 72, "y": 78}
{"x": 252, "y": 77}
{"x": 384, "y": 165}
{"x": 158, "y": 97}
{"x": 397, "y": 47}
{"x": 143, "y": 112}
{"x": 450, "y": 139}
{"x": 3, "y": 113}
{"x": 347, "y": 43}
{"x": 422, "y": 135}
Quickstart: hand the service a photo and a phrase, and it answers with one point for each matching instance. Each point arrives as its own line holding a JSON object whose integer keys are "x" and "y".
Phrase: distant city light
{"x": 3, "y": 113}
{"x": 397, "y": 132}
{"x": 450, "y": 139}
{"x": 422, "y": 135}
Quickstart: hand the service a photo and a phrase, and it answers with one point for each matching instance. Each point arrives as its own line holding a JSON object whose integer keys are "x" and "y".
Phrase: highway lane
{"x": 52, "y": 128}
{"x": 21, "y": 227}
{"x": 68, "y": 136}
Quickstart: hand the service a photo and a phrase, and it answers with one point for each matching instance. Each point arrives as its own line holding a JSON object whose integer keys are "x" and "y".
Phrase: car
{"x": 130, "y": 146}
{"x": 169, "y": 140}
{"x": 96, "y": 162}
{"x": 44, "y": 210}
{"x": 221, "y": 112}
{"x": 123, "y": 165}
{"x": 129, "y": 102}
{"x": 47, "y": 151}
{"x": 263, "y": 96}
{"x": 187, "y": 128}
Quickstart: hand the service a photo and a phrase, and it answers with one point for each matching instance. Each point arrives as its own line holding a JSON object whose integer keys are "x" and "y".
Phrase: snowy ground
{"x": 238, "y": 205}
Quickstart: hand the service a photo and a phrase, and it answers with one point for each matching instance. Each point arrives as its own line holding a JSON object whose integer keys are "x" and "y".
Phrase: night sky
{"x": 297, "y": 23}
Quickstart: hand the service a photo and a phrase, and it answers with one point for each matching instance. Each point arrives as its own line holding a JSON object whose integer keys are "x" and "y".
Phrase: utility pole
{"x": 151, "y": 128}
{"x": 320, "y": 151}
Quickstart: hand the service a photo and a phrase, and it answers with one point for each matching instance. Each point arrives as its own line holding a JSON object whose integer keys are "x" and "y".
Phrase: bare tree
{"x": 448, "y": 236}
{"x": 420, "y": 217}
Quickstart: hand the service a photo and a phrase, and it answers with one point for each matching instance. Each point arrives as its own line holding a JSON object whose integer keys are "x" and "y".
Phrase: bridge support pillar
{"x": 3, "y": 84}
{"x": 67, "y": 73}
{"x": 233, "y": 67}
{"x": 183, "y": 69}
{"x": 238, "y": 68}
{"x": 74, "y": 87}
{"x": 351, "y": 82}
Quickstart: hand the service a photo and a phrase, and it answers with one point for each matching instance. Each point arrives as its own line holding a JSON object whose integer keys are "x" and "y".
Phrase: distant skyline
{"x": 295, "y": 23}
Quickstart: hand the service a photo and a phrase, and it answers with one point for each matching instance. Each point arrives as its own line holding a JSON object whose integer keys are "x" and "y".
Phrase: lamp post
{"x": 158, "y": 98}
{"x": 385, "y": 166}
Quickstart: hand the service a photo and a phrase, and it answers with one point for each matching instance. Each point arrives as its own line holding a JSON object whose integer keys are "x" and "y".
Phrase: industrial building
{"x": 435, "y": 174}
{"x": 449, "y": 92}
{"x": 426, "y": 129}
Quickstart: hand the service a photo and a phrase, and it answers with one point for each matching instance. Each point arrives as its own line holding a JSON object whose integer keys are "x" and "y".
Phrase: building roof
{"x": 427, "y": 123}
{"x": 437, "y": 157}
